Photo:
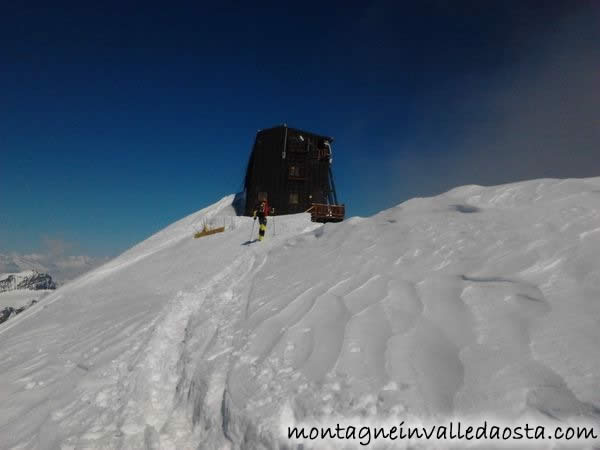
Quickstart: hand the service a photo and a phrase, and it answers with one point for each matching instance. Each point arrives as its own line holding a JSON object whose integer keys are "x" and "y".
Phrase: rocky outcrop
{"x": 9, "y": 312}
{"x": 23, "y": 285}
{"x": 27, "y": 280}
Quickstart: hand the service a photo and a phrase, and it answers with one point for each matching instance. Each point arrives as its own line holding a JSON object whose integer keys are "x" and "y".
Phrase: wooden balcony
{"x": 322, "y": 154}
{"x": 320, "y": 212}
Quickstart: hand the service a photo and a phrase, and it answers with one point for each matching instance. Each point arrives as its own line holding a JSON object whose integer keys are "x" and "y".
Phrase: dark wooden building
{"x": 291, "y": 168}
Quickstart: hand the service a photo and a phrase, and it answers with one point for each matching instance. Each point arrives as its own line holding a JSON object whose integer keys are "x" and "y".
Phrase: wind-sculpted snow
{"x": 481, "y": 301}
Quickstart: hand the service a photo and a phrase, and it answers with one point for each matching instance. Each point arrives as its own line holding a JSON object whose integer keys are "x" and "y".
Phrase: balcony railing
{"x": 321, "y": 212}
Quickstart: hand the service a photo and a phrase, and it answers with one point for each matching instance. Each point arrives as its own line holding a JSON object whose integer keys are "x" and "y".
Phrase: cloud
{"x": 55, "y": 245}
{"x": 57, "y": 258}
{"x": 530, "y": 110}
{"x": 77, "y": 262}
{"x": 541, "y": 116}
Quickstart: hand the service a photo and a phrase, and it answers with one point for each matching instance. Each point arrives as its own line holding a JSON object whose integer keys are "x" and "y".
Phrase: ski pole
{"x": 274, "y": 234}
{"x": 252, "y": 232}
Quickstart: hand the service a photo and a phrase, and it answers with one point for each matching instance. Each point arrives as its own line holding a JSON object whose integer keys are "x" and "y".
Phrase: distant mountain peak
{"x": 29, "y": 279}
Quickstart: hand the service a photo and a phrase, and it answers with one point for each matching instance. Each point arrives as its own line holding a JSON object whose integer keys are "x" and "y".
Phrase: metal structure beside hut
{"x": 291, "y": 169}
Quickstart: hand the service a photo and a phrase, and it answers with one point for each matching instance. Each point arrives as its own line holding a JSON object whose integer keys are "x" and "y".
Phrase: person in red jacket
{"x": 261, "y": 210}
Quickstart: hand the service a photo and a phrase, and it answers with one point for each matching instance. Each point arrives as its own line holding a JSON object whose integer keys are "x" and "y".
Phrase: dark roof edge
{"x": 283, "y": 125}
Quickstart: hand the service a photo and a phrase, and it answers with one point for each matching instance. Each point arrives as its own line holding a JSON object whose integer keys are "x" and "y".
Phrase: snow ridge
{"x": 478, "y": 302}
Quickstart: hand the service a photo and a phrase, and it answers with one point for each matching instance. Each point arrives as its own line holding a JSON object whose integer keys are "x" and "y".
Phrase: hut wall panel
{"x": 269, "y": 172}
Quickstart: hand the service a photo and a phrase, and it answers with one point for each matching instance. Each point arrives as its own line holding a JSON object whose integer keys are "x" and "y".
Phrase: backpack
{"x": 263, "y": 208}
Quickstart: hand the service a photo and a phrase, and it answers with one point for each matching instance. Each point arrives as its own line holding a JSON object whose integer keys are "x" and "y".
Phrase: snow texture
{"x": 483, "y": 300}
{"x": 21, "y": 297}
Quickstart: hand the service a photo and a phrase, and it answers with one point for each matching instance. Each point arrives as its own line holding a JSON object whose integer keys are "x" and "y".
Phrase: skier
{"x": 261, "y": 210}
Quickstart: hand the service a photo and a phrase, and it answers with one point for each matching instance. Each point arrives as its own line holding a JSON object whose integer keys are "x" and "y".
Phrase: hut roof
{"x": 329, "y": 138}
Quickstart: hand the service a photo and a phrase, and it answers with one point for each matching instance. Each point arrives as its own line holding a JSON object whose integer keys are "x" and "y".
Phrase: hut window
{"x": 294, "y": 171}
{"x": 293, "y": 198}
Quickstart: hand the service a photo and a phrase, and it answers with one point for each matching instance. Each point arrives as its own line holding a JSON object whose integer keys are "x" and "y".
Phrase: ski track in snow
{"x": 479, "y": 301}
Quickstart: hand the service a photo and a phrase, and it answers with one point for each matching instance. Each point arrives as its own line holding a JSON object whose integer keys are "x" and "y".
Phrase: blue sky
{"x": 116, "y": 120}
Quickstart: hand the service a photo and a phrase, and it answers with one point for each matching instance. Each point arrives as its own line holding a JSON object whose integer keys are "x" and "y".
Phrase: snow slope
{"x": 21, "y": 297}
{"x": 478, "y": 301}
